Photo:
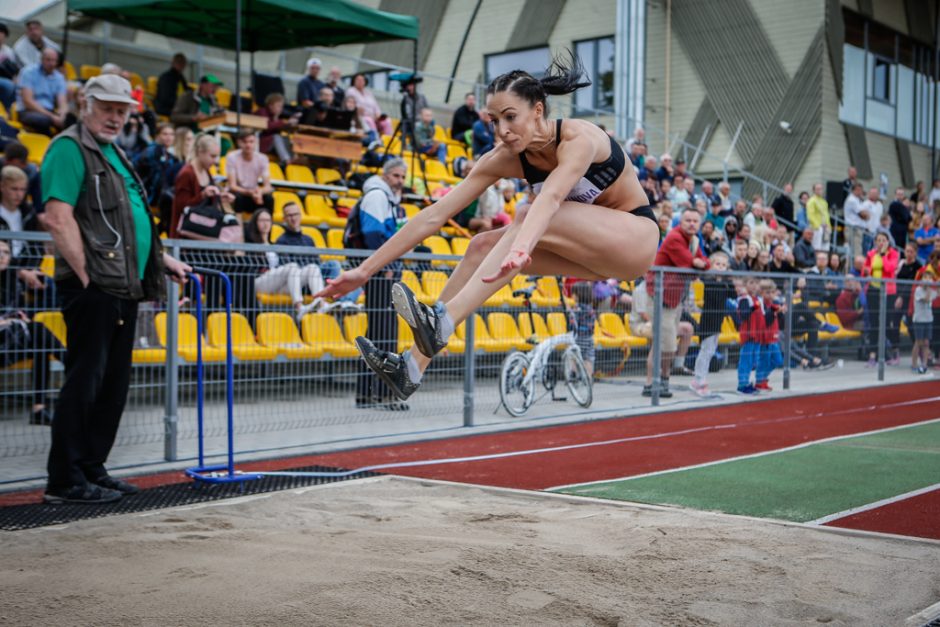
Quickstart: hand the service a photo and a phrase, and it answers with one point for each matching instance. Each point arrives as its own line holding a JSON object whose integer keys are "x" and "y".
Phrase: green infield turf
{"x": 798, "y": 485}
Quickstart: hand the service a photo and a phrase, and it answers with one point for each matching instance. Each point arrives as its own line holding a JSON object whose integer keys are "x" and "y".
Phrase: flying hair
{"x": 564, "y": 75}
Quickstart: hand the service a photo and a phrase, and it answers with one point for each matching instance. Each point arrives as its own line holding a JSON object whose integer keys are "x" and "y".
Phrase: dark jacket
{"x": 715, "y": 307}
{"x": 293, "y": 238}
{"x": 186, "y": 108}
{"x": 463, "y": 121}
{"x": 167, "y": 89}
{"x": 804, "y": 254}
{"x": 900, "y": 221}
{"x": 103, "y": 208}
{"x": 783, "y": 207}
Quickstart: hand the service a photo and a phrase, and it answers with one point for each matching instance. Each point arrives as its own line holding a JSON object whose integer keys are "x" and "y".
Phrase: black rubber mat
{"x": 187, "y": 492}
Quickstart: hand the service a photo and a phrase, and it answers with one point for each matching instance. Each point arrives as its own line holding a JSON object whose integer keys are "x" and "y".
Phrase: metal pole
{"x": 171, "y": 418}
{"x": 238, "y": 64}
{"x": 882, "y": 329}
{"x": 657, "y": 333}
{"x": 463, "y": 42}
{"x": 469, "y": 372}
{"x": 789, "y": 335}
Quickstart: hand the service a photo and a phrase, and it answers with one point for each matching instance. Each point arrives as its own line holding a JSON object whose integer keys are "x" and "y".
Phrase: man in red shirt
{"x": 680, "y": 249}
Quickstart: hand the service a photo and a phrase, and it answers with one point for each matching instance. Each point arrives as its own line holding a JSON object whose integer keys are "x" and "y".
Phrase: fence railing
{"x": 299, "y": 380}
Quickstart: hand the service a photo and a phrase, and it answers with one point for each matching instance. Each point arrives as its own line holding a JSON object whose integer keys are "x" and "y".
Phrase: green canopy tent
{"x": 252, "y": 25}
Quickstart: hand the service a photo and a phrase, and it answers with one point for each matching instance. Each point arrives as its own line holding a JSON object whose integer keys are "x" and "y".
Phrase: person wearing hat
{"x": 411, "y": 104}
{"x": 108, "y": 258}
{"x": 308, "y": 89}
{"x": 194, "y": 106}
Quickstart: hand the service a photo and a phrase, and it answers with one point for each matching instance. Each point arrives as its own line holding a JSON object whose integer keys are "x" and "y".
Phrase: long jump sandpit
{"x": 394, "y": 551}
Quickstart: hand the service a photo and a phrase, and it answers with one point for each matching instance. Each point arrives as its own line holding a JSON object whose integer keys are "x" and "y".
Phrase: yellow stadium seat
{"x": 334, "y": 240}
{"x": 547, "y": 293}
{"x": 502, "y": 326}
{"x": 221, "y": 166}
{"x": 186, "y": 339}
{"x": 482, "y": 340}
{"x": 613, "y": 324}
{"x": 69, "y": 70}
{"x": 136, "y": 80}
{"x": 433, "y": 282}
{"x": 843, "y": 333}
{"x": 151, "y": 356}
{"x": 406, "y": 338}
{"x": 284, "y": 198}
{"x": 411, "y": 210}
{"x": 355, "y": 326}
{"x": 278, "y": 331}
{"x": 440, "y": 134}
{"x": 275, "y": 172}
{"x": 244, "y": 345}
{"x": 224, "y": 97}
{"x": 557, "y": 323}
{"x": 322, "y": 332}
{"x": 698, "y": 292}
{"x": 729, "y": 333}
{"x": 276, "y": 231}
{"x": 439, "y": 246}
{"x": 501, "y": 297}
{"x": 89, "y": 71}
{"x": 410, "y": 279}
{"x": 459, "y": 245}
{"x": 55, "y": 322}
{"x": 329, "y": 176}
{"x": 634, "y": 339}
{"x": 151, "y": 88}
{"x": 48, "y": 265}
{"x": 36, "y": 144}
{"x": 320, "y": 212}
{"x": 455, "y": 150}
{"x": 299, "y": 174}
{"x": 533, "y": 325}
{"x": 435, "y": 170}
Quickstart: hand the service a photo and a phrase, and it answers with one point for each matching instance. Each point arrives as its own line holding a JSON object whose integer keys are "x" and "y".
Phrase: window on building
{"x": 532, "y": 60}
{"x": 597, "y": 56}
{"x": 881, "y": 80}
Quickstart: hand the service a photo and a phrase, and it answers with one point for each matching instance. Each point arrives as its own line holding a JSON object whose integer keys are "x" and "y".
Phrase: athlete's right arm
{"x": 429, "y": 221}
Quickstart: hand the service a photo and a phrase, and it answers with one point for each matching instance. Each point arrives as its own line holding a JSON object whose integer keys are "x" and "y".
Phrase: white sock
{"x": 414, "y": 372}
{"x": 447, "y": 323}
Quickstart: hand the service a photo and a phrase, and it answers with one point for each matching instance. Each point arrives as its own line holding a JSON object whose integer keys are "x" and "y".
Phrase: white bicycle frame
{"x": 539, "y": 355}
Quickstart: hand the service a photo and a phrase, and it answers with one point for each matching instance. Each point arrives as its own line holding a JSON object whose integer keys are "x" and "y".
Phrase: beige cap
{"x": 109, "y": 88}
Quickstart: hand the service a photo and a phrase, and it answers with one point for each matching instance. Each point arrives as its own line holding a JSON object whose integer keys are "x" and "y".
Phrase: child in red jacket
{"x": 770, "y": 355}
{"x": 751, "y": 329}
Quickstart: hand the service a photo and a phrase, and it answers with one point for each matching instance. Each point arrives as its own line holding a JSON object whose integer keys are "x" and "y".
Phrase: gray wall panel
{"x": 535, "y": 23}
{"x": 835, "y": 38}
{"x": 907, "y": 165}
{"x": 429, "y": 16}
{"x": 858, "y": 150}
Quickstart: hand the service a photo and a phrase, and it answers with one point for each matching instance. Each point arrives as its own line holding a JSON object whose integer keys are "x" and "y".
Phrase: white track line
{"x": 749, "y": 456}
{"x": 874, "y": 505}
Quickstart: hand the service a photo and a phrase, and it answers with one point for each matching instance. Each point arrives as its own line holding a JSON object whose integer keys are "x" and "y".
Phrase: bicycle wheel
{"x": 577, "y": 379}
{"x": 516, "y": 394}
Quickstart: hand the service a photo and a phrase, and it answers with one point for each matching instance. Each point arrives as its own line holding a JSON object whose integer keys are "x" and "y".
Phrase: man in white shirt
{"x": 875, "y": 209}
{"x": 856, "y": 220}
{"x": 933, "y": 198}
{"x": 29, "y": 47}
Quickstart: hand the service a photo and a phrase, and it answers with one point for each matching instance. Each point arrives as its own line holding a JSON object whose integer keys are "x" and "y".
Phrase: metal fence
{"x": 299, "y": 381}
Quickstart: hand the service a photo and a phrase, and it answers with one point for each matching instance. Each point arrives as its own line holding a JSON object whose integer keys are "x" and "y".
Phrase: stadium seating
{"x": 36, "y": 144}
{"x": 55, "y": 322}
{"x": 482, "y": 340}
{"x": 223, "y": 97}
{"x": 533, "y": 325}
{"x": 410, "y": 279}
{"x": 322, "y": 332}
{"x": 433, "y": 283}
{"x": 275, "y": 172}
{"x": 244, "y": 345}
{"x": 502, "y": 326}
{"x": 278, "y": 331}
{"x": 439, "y": 246}
{"x": 284, "y": 198}
{"x": 557, "y": 322}
{"x": 187, "y": 334}
{"x": 319, "y": 212}
{"x": 329, "y": 176}
{"x": 548, "y": 294}
{"x": 89, "y": 71}
{"x": 334, "y": 240}
{"x": 612, "y": 324}
{"x": 300, "y": 174}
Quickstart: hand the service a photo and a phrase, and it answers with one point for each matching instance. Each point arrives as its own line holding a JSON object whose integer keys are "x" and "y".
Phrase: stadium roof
{"x": 266, "y": 24}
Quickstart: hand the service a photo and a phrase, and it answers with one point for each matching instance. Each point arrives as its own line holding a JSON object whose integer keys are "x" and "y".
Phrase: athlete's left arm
{"x": 575, "y": 156}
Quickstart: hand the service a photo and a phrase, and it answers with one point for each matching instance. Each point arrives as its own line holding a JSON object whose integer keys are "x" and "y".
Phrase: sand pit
{"x": 407, "y": 552}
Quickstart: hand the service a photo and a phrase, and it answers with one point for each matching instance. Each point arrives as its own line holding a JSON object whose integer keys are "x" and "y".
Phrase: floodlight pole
{"x": 238, "y": 65}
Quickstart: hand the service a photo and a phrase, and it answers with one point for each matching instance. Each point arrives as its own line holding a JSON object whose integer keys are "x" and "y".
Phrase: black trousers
{"x": 100, "y": 346}
{"x": 246, "y": 204}
{"x": 383, "y": 331}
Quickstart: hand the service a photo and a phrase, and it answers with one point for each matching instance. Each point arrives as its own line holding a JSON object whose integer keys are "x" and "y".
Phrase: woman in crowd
{"x": 368, "y": 106}
{"x": 194, "y": 182}
{"x": 881, "y": 263}
{"x": 272, "y": 142}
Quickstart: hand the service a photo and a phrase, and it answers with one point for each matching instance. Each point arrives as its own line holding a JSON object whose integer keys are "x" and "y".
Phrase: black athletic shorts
{"x": 646, "y": 212}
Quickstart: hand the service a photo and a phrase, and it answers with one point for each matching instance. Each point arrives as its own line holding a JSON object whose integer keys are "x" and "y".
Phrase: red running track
{"x": 917, "y": 516}
{"x": 721, "y": 432}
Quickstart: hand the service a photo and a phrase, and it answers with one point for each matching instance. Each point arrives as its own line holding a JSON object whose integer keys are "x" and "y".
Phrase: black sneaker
{"x": 390, "y": 367}
{"x": 83, "y": 494}
{"x": 113, "y": 483}
{"x": 663, "y": 391}
{"x": 425, "y": 322}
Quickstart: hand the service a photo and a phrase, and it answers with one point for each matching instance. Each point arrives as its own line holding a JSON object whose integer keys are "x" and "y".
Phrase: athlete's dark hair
{"x": 563, "y": 76}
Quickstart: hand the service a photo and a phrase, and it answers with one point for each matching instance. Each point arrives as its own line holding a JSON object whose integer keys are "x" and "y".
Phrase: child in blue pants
{"x": 751, "y": 329}
{"x": 770, "y": 356}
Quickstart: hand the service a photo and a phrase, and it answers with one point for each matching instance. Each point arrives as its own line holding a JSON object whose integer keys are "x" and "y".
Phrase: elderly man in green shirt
{"x": 108, "y": 258}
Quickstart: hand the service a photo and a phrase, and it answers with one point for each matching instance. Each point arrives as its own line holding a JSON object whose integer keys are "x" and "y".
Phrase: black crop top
{"x": 599, "y": 176}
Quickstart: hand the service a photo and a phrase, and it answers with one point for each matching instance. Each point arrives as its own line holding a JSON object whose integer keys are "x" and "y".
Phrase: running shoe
{"x": 663, "y": 391}
{"x": 748, "y": 390}
{"x": 425, "y": 322}
{"x": 113, "y": 483}
{"x": 922, "y": 370}
{"x": 390, "y": 367}
{"x": 872, "y": 363}
{"x": 82, "y": 494}
{"x": 764, "y": 386}
{"x": 700, "y": 389}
